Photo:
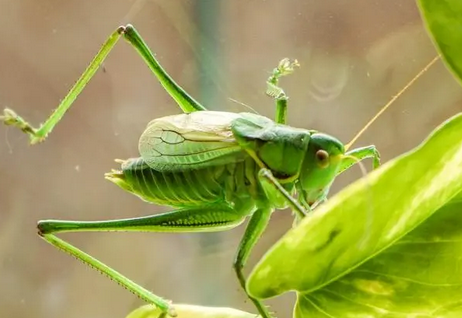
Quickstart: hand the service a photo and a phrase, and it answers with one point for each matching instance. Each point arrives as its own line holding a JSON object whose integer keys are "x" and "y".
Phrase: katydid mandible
{"x": 214, "y": 168}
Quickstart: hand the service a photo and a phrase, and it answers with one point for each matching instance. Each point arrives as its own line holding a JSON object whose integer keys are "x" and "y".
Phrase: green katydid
{"x": 215, "y": 168}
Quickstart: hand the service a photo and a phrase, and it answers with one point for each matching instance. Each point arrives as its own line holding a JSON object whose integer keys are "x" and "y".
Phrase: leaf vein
{"x": 408, "y": 279}
{"x": 318, "y": 308}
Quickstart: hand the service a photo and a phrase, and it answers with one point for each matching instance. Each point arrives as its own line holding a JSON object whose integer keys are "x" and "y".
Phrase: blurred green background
{"x": 354, "y": 55}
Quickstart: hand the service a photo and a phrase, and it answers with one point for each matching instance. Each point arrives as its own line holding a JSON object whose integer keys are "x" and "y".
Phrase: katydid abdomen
{"x": 190, "y": 187}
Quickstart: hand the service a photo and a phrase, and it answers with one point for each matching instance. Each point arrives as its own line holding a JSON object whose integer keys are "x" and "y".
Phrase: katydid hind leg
{"x": 144, "y": 294}
{"x": 218, "y": 217}
{"x": 36, "y": 135}
{"x": 255, "y": 228}
{"x": 215, "y": 217}
{"x": 184, "y": 100}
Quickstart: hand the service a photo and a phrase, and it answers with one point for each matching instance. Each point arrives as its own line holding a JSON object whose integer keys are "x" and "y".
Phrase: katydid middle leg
{"x": 256, "y": 226}
{"x": 214, "y": 217}
{"x": 183, "y": 99}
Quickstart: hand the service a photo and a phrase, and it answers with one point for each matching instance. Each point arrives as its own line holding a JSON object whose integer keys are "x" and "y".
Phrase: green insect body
{"x": 213, "y": 165}
{"x": 214, "y": 168}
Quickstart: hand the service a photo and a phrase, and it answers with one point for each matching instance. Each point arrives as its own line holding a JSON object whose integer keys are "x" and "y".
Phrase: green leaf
{"x": 419, "y": 276}
{"x": 388, "y": 245}
{"x": 191, "y": 311}
{"x": 443, "y": 19}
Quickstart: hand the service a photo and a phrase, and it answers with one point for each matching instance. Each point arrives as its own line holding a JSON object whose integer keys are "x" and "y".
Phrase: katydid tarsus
{"x": 240, "y": 165}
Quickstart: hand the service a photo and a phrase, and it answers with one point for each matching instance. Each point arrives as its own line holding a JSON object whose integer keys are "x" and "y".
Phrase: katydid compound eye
{"x": 322, "y": 158}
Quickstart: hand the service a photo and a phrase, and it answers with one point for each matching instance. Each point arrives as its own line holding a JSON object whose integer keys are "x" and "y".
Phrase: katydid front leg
{"x": 184, "y": 100}
{"x": 356, "y": 155}
{"x": 217, "y": 217}
{"x": 269, "y": 182}
{"x": 285, "y": 67}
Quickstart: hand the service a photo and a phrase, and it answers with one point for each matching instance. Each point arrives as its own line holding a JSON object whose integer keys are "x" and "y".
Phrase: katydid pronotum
{"x": 240, "y": 165}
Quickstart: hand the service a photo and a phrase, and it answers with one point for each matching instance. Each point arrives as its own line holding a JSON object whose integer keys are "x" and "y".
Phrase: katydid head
{"x": 320, "y": 166}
